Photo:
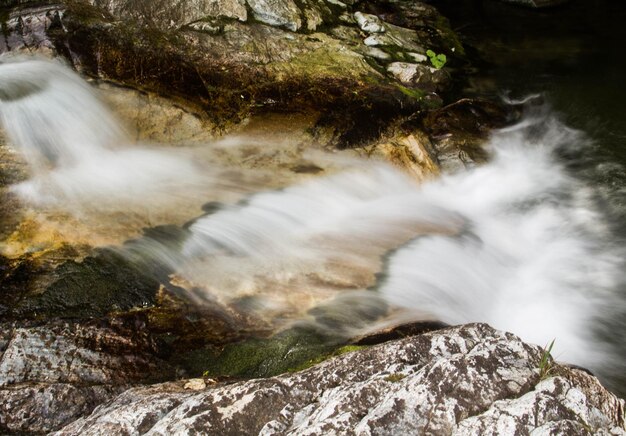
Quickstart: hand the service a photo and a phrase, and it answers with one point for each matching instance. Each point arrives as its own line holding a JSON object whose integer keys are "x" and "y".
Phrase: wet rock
{"x": 398, "y": 332}
{"x": 412, "y": 153}
{"x": 422, "y": 76}
{"x": 149, "y": 117}
{"x": 277, "y": 13}
{"x": 63, "y": 352}
{"x": 216, "y": 66}
{"x": 463, "y": 380}
{"x": 95, "y": 286}
{"x": 459, "y": 131}
{"x": 166, "y": 15}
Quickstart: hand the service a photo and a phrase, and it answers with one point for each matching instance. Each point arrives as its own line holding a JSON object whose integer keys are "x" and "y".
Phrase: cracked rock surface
{"x": 470, "y": 379}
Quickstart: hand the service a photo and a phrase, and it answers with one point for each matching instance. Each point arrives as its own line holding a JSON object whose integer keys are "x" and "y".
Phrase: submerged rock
{"x": 463, "y": 380}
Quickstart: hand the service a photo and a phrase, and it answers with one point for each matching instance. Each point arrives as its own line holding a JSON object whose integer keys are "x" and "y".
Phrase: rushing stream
{"x": 522, "y": 242}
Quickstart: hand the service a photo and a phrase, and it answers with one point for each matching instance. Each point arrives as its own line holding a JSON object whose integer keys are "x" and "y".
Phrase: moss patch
{"x": 290, "y": 350}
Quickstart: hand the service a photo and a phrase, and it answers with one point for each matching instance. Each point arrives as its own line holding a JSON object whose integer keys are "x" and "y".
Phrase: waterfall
{"x": 76, "y": 150}
{"x": 518, "y": 243}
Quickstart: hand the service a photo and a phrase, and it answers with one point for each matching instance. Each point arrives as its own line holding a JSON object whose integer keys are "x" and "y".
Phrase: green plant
{"x": 437, "y": 60}
{"x": 545, "y": 364}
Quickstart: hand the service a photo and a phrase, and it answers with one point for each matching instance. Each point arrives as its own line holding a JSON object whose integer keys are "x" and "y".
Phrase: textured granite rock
{"x": 462, "y": 380}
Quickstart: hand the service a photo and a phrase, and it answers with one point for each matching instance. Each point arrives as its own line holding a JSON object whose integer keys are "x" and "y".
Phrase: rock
{"x": 165, "y": 15}
{"x": 413, "y": 153}
{"x": 422, "y": 76}
{"x": 41, "y": 407}
{"x": 149, "y": 117}
{"x": 458, "y": 131}
{"x": 418, "y": 57}
{"x": 28, "y": 30}
{"x": 51, "y": 375}
{"x": 277, "y": 13}
{"x": 369, "y": 23}
{"x": 64, "y": 352}
{"x": 195, "y": 384}
{"x": 218, "y": 67}
{"x": 470, "y": 379}
{"x": 536, "y": 3}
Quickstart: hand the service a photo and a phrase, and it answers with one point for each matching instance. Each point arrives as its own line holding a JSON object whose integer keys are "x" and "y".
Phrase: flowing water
{"x": 523, "y": 242}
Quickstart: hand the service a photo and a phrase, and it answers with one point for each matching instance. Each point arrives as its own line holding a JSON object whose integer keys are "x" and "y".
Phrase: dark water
{"x": 572, "y": 55}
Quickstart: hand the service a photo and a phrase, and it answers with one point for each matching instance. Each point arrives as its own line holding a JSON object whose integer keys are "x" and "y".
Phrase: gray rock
{"x": 369, "y": 23}
{"x": 283, "y": 13}
{"x": 26, "y": 31}
{"x": 71, "y": 353}
{"x": 41, "y": 408}
{"x": 463, "y": 380}
{"x": 417, "y": 74}
{"x": 173, "y": 14}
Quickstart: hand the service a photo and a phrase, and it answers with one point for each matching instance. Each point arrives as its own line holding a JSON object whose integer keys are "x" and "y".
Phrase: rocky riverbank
{"x": 91, "y": 343}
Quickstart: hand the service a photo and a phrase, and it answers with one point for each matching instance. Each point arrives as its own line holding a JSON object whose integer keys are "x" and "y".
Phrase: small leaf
{"x": 430, "y": 53}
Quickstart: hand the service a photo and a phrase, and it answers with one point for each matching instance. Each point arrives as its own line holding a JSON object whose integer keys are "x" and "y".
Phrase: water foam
{"x": 75, "y": 148}
{"x": 517, "y": 243}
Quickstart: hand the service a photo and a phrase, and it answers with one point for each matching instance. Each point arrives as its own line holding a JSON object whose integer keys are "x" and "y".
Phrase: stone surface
{"x": 458, "y": 131}
{"x": 277, "y": 13}
{"x": 42, "y": 407}
{"x": 173, "y": 14}
{"x": 51, "y": 375}
{"x": 224, "y": 69}
{"x": 369, "y": 23}
{"x": 464, "y": 380}
{"x": 64, "y": 352}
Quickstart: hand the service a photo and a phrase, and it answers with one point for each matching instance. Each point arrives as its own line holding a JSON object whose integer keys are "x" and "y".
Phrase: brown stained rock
{"x": 411, "y": 152}
{"x": 449, "y": 381}
{"x": 42, "y": 407}
{"x": 227, "y": 70}
{"x": 64, "y": 352}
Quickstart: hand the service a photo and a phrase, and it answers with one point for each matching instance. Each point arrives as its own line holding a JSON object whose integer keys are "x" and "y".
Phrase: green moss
{"x": 292, "y": 350}
{"x": 414, "y": 93}
{"x": 263, "y": 357}
{"x": 394, "y": 378}
{"x": 319, "y": 359}
{"x": 100, "y": 284}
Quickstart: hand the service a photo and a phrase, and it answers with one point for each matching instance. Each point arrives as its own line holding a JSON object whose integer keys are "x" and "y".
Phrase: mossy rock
{"x": 291, "y": 349}
{"x": 101, "y": 283}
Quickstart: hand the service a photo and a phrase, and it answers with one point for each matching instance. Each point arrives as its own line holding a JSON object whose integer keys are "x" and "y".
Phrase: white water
{"x": 516, "y": 243}
{"x": 74, "y": 146}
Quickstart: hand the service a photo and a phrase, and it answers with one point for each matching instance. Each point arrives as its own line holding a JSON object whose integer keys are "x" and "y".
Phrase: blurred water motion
{"x": 517, "y": 243}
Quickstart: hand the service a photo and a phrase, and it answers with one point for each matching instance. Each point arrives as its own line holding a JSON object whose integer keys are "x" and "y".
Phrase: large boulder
{"x": 227, "y": 65}
{"x": 463, "y": 380}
